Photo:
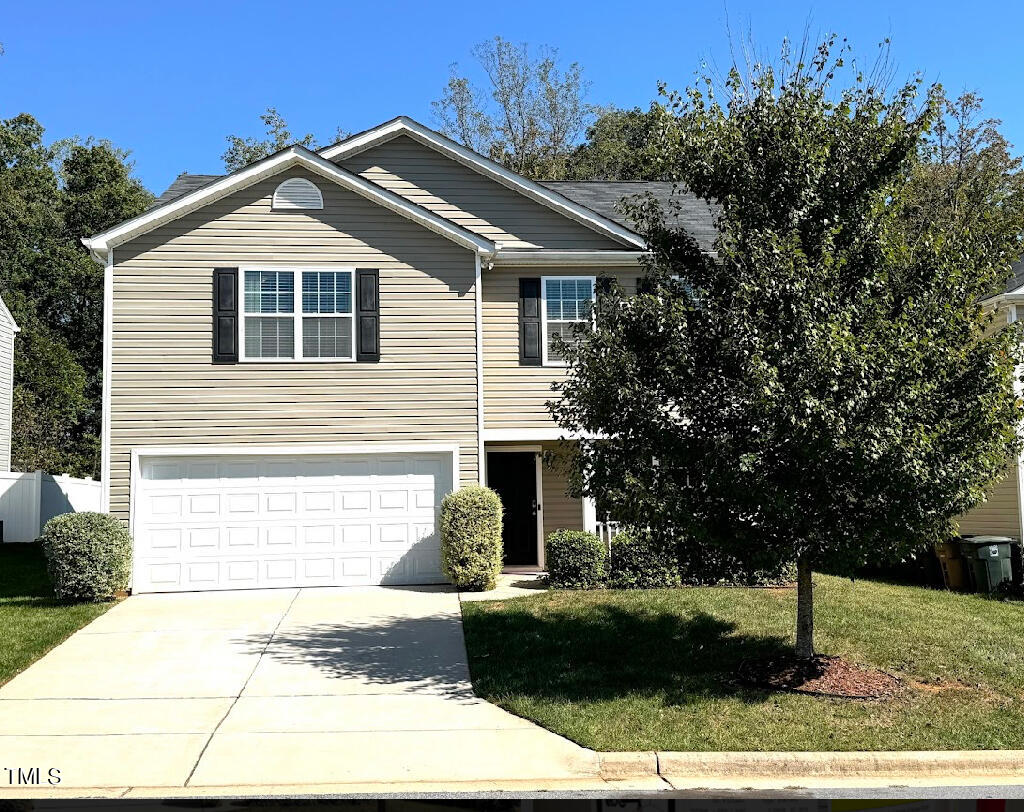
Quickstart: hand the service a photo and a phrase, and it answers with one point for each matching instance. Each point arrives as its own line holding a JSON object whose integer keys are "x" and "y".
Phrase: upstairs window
{"x": 567, "y": 304}
{"x": 322, "y": 319}
{"x": 298, "y": 193}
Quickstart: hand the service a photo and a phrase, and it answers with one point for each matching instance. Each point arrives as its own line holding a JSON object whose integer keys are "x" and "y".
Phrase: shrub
{"x": 575, "y": 559}
{"x": 88, "y": 556}
{"x": 708, "y": 565}
{"x": 638, "y": 561}
{"x": 471, "y": 538}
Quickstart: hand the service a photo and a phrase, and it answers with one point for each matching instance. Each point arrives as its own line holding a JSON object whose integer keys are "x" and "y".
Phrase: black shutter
{"x": 604, "y": 285}
{"x": 368, "y": 316}
{"x": 644, "y": 285}
{"x": 529, "y": 323}
{"x": 225, "y": 315}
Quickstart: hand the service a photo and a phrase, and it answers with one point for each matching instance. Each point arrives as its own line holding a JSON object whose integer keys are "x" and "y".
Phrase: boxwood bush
{"x": 88, "y": 556}
{"x": 471, "y": 548}
{"x": 638, "y": 561}
{"x": 575, "y": 559}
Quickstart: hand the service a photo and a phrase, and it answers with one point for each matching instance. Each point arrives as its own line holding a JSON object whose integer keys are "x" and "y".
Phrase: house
{"x": 8, "y": 329}
{"x": 1003, "y": 513}
{"x": 304, "y": 356}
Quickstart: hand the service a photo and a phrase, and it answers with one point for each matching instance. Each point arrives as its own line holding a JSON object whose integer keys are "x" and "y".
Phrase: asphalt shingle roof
{"x": 182, "y": 185}
{"x": 603, "y": 197}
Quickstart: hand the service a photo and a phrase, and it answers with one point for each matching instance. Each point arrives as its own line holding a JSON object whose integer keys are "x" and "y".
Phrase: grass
{"x": 32, "y": 621}
{"x": 652, "y": 670}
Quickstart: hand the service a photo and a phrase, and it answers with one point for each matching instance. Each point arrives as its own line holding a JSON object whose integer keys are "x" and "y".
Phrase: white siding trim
{"x": 292, "y": 156}
{"x": 479, "y": 301}
{"x": 108, "y": 368}
{"x": 297, "y": 193}
{"x": 511, "y": 257}
{"x": 533, "y": 435}
{"x": 403, "y": 125}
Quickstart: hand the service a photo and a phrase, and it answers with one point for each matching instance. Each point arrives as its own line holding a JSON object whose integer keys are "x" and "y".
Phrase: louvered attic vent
{"x": 298, "y": 193}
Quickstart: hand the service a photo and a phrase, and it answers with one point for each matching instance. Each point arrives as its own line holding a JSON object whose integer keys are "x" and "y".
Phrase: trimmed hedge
{"x": 639, "y": 562}
{"x": 575, "y": 559}
{"x": 88, "y": 556}
{"x": 471, "y": 548}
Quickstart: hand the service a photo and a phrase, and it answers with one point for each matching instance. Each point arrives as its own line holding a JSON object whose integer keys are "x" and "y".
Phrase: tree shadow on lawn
{"x": 608, "y": 653}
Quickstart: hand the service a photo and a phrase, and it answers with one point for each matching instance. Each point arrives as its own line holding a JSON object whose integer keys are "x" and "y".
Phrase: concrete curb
{"x": 854, "y": 765}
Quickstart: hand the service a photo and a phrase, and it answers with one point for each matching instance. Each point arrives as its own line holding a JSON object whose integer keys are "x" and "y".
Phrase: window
{"x": 567, "y": 303}
{"x": 323, "y": 319}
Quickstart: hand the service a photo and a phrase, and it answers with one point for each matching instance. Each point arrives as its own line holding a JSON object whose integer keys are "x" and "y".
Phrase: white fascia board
{"x": 485, "y": 166}
{"x": 533, "y": 435}
{"x": 286, "y": 159}
{"x": 515, "y": 257}
{"x": 6, "y": 314}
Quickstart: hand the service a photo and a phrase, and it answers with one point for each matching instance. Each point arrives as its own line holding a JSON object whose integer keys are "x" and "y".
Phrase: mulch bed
{"x": 819, "y": 676}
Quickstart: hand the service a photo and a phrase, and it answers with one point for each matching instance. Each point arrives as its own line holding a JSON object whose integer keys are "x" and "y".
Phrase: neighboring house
{"x": 1003, "y": 513}
{"x": 8, "y": 328}
{"x": 303, "y": 357}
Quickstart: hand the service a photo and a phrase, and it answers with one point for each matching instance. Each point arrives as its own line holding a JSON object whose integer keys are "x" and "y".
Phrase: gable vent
{"x": 298, "y": 193}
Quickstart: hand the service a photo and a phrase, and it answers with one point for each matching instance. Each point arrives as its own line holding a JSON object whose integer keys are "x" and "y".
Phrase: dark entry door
{"x": 513, "y": 474}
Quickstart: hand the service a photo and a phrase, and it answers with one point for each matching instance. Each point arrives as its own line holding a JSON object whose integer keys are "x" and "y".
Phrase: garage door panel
{"x": 229, "y": 522}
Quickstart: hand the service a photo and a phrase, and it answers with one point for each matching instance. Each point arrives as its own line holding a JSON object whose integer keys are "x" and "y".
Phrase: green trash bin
{"x": 987, "y": 560}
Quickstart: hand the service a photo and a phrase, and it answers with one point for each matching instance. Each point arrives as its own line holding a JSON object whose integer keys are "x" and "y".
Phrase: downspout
{"x": 481, "y": 466}
{"x": 108, "y": 367}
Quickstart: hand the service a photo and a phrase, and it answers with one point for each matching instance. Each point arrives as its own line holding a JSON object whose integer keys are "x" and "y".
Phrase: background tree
{"x": 531, "y": 115}
{"x": 824, "y": 390}
{"x": 621, "y": 145}
{"x": 51, "y": 197}
{"x": 243, "y": 151}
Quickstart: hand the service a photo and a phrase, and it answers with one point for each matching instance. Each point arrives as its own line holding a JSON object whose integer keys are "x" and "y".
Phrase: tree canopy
{"x": 50, "y": 197}
{"x": 244, "y": 150}
{"x": 827, "y": 387}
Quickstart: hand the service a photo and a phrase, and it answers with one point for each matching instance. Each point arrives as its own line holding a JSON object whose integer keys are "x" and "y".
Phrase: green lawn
{"x": 31, "y": 621}
{"x": 651, "y": 670}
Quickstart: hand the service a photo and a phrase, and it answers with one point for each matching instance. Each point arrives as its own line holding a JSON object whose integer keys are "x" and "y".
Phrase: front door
{"x": 513, "y": 475}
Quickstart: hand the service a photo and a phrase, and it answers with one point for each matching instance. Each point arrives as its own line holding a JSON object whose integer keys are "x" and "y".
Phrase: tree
{"x": 825, "y": 389}
{"x": 621, "y": 145}
{"x": 243, "y": 151}
{"x": 531, "y": 115}
{"x": 966, "y": 174}
{"x": 51, "y": 197}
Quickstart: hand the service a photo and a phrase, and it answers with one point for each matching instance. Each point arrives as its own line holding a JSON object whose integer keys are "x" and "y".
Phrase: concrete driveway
{"x": 271, "y": 687}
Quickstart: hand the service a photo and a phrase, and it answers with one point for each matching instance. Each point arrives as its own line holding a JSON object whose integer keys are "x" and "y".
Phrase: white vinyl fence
{"x": 29, "y": 500}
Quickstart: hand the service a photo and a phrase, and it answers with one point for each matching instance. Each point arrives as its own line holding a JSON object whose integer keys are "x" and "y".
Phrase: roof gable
{"x": 545, "y": 196}
{"x": 218, "y": 188}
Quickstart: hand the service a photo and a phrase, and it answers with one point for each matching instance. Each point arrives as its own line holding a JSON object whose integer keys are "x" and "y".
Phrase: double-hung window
{"x": 301, "y": 314}
{"x": 567, "y": 305}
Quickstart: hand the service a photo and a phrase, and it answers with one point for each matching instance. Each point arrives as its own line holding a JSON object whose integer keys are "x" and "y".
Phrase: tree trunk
{"x": 804, "y": 609}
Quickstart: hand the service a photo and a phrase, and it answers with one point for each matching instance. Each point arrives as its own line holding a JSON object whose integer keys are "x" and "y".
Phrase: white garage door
{"x": 236, "y": 522}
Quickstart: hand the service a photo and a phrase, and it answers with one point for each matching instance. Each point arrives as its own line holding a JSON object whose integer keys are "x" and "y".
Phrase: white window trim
{"x": 544, "y": 313}
{"x": 297, "y": 314}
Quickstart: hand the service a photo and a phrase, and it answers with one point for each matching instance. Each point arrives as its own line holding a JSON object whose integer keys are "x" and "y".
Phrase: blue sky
{"x": 170, "y": 80}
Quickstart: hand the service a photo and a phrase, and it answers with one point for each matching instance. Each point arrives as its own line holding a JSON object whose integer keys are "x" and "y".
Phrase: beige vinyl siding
{"x": 464, "y": 196}
{"x": 1000, "y": 515}
{"x": 561, "y": 511}
{"x": 514, "y": 395}
{"x": 6, "y": 393}
{"x": 165, "y": 390}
